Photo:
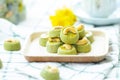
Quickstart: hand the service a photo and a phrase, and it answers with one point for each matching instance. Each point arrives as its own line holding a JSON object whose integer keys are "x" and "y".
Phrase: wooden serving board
{"x": 33, "y": 52}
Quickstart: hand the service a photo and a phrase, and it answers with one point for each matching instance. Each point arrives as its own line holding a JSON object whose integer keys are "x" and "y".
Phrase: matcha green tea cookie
{"x": 83, "y": 45}
{"x": 53, "y": 44}
{"x": 43, "y": 39}
{"x": 67, "y": 49}
{"x": 0, "y": 64}
{"x": 69, "y": 35}
{"x": 12, "y": 45}
{"x": 89, "y": 36}
{"x": 81, "y": 31}
{"x": 55, "y": 32}
{"x": 50, "y": 73}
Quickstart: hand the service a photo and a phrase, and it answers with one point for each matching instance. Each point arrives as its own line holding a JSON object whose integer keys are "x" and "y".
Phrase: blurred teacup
{"x": 99, "y": 8}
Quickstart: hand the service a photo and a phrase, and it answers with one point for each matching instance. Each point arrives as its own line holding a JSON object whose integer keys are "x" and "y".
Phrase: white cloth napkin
{"x": 104, "y": 70}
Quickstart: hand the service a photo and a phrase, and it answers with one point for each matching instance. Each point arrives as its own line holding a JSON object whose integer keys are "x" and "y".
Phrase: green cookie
{"x": 83, "y": 46}
{"x": 69, "y": 35}
{"x": 50, "y": 73}
{"x": 53, "y": 45}
{"x": 43, "y": 39}
{"x": 12, "y": 45}
{"x": 1, "y": 64}
{"x": 81, "y": 31}
{"x": 67, "y": 49}
{"x": 55, "y": 32}
{"x": 89, "y": 36}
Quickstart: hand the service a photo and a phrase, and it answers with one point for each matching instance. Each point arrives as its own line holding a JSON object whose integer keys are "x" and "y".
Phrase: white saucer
{"x": 112, "y": 19}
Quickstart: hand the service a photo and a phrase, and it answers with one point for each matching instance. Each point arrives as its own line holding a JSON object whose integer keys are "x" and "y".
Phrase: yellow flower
{"x": 63, "y": 17}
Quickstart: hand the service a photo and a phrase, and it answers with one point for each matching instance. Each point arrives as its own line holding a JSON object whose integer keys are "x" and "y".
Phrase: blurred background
{"x": 30, "y": 12}
{"x": 34, "y": 12}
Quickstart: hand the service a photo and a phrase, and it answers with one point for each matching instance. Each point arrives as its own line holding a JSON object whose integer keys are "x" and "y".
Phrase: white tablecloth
{"x": 15, "y": 66}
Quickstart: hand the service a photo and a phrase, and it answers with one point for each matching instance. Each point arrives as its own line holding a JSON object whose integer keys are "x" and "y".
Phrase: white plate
{"x": 112, "y": 19}
{"x": 32, "y": 51}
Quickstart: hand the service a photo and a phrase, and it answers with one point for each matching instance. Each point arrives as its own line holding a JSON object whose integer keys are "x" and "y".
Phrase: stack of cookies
{"x": 67, "y": 40}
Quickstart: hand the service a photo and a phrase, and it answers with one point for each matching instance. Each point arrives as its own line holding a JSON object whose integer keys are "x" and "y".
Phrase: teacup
{"x": 99, "y": 8}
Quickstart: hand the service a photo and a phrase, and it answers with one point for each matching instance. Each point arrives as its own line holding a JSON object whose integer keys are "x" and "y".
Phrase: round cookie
{"x": 55, "y": 32}
{"x": 67, "y": 49}
{"x": 81, "y": 31}
{"x": 83, "y": 46}
{"x": 53, "y": 44}
{"x": 43, "y": 39}
{"x": 89, "y": 36}
{"x": 0, "y": 64}
{"x": 12, "y": 45}
{"x": 69, "y": 35}
{"x": 50, "y": 73}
